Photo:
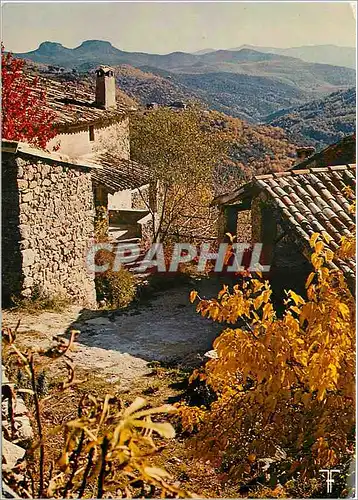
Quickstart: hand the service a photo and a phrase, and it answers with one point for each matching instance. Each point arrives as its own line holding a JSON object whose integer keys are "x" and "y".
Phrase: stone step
{"x": 125, "y": 241}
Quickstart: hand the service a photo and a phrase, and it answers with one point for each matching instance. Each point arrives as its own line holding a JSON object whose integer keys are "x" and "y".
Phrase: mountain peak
{"x": 97, "y": 47}
{"x": 50, "y": 47}
{"x": 95, "y": 43}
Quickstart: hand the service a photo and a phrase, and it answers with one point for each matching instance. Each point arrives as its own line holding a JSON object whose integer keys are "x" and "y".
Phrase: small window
{"x": 91, "y": 133}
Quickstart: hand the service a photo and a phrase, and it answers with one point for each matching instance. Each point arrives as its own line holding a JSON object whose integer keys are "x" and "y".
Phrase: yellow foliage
{"x": 282, "y": 381}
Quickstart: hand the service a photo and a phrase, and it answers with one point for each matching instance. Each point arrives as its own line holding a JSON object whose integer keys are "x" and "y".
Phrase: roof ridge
{"x": 18, "y": 147}
{"x": 312, "y": 170}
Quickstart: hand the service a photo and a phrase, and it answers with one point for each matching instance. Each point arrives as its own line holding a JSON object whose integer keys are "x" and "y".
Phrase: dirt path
{"x": 118, "y": 346}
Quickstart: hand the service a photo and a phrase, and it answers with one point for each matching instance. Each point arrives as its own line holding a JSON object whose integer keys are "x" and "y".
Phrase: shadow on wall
{"x": 289, "y": 271}
{"x": 11, "y": 259}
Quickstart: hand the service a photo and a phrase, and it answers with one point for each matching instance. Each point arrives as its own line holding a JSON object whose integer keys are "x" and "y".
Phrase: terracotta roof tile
{"x": 312, "y": 200}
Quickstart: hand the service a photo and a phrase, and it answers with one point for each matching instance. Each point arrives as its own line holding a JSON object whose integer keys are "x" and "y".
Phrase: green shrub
{"x": 116, "y": 289}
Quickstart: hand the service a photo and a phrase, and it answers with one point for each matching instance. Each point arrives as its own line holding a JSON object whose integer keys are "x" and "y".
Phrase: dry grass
{"x": 162, "y": 385}
{"x": 39, "y": 303}
{"x": 58, "y": 406}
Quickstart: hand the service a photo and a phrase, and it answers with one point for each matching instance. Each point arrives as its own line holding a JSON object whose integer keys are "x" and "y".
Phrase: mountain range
{"x": 245, "y": 83}
{"x": 325, "y": 54}
{"x": 55, "y": 52}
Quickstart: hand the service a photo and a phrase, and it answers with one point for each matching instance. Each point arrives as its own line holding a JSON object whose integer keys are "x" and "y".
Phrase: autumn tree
{"x": 25, "y": 116}
{"x": 285, "y": 385}
{"x": 180, "y": 153}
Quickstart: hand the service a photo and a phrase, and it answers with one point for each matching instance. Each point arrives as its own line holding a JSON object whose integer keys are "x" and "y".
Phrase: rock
{"x": 11, "y": 453}
{"x": 23, "y": 431}
{"x": 20, "y": 408}
{"x": 27, "y": 197}
{"x": 24, "y": 244}
{"x": 26, "y": 293}
{"x": 25, "y": 231}
{"x": 8, "y": 492}
{"x": 28, "y": 257}
{"x": 28, "y": 282}
{"x": 22, "y": 184}
{"x": 30, "y": 172}
{"x": 45, "y": 170}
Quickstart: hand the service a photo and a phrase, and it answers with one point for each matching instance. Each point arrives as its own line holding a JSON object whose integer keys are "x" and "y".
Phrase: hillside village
{"x": 283, "y": 178}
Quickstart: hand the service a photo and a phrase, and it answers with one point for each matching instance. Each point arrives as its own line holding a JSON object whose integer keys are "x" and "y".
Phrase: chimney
{"x": 105, "y": 87}
{"x": 305, "y": 152}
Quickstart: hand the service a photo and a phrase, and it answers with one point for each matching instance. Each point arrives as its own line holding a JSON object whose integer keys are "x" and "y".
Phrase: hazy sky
{"x": 167, "y": 27}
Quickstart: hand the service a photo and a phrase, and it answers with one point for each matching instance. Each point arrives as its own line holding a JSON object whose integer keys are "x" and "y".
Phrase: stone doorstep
{"x": 4, "y": 379}
{"x": 20, "y": 408}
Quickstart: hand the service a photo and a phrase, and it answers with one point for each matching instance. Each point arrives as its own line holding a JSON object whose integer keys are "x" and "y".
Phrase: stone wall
{"x": 140, "y": 198}
{"x": 47, "y": 224}
{"x": 11, "y": 257}
{"x": 76, "y": 141}
{"x": 244, "y": 227}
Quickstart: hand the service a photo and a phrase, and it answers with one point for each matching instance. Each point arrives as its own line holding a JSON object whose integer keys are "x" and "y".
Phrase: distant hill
{"x": 146, "y": 87}
{"x": 290, "y": 70}
{"x": 204, "y": 51}
{"x": 254, "y": 148}
{"x": 324, "y": 54}
{"x": 319, "y": 123}
{"x": 245, "y": 83}
{"x": 245, "y": 96}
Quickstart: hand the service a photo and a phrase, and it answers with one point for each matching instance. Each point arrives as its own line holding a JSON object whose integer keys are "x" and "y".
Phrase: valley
{"x": 244, "y": 83}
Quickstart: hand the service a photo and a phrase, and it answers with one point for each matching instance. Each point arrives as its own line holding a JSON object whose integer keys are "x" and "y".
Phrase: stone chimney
{"x": 105, "y": 87}
{"x": 305, "y": 152}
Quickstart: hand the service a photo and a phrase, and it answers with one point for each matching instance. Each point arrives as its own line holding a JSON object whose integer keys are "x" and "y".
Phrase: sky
{"x": 178, "y": 26}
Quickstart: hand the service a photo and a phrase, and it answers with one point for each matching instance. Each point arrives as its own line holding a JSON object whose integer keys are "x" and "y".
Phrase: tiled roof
{"x": 118, "y": 174}
{"x": 310, "y": 200}
{"x": 74, "y": 103}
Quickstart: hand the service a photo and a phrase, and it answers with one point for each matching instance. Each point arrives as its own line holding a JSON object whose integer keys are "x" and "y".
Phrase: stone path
{"x": 119, "y": 346}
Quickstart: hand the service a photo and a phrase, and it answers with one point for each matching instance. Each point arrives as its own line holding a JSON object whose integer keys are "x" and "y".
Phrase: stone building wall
{"x": 76, "y": 141}
{"x": 244, "y": 227}
{"x": 47, "y": 225}
{"x": 122, "y": 200}
{"x": 140, "y": 198}
{"x": 11, "y": 257}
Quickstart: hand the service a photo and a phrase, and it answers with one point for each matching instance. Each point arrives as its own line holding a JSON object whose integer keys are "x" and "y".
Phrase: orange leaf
{"x": 193, "y": 295}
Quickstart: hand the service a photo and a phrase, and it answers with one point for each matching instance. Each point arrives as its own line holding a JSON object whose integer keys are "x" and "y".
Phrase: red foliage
{"x": 25, "y": 116}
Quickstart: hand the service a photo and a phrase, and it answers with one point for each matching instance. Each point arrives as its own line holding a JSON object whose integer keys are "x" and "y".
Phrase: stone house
{"x": 49, "y": 198}
{"x": 286, "y": 208}
{"x": 47, "y": 225}
{"x": 94, "y": 127}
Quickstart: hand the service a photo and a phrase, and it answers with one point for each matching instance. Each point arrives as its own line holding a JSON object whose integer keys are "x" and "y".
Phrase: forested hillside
{"x": 245, "y": 83}
{"x": 319, "y": 123}
{"x": 254, "y": 149}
